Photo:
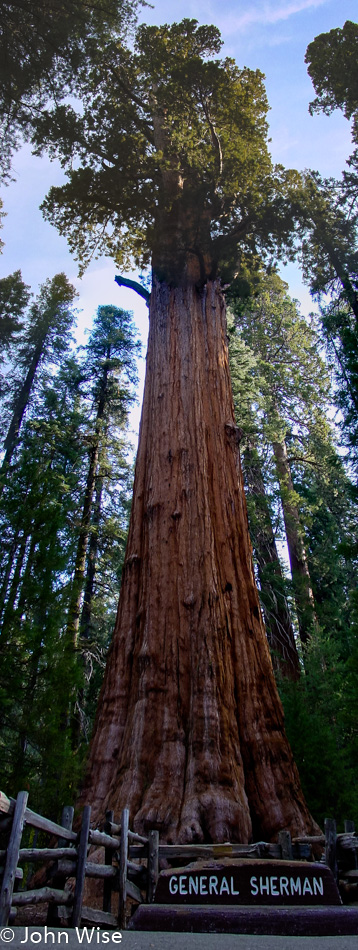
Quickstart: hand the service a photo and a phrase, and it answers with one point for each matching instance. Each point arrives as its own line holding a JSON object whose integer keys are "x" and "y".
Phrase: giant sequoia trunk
{"x": 189, "y": 731}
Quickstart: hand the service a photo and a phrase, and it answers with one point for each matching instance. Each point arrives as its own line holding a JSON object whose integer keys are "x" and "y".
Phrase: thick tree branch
{"x": 214, "y": 137}
{"x": 133, "y": 284}
{"x": 142, "y": 123}
{"x": 220, "y": 243}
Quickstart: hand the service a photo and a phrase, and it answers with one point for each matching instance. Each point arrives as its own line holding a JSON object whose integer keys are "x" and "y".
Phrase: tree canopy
{"x": 44, "y": 46}
{"x": 166, "y": 155}
{"x": 332, "y": 65}
{"x": 46, "y": 338}
{"x": 63, "y": 520}
{"x": 14, "y": 296}
{"x": 329, "y": 248}
{"x": 282, "y": 392}
{"x": 166, "y": 151}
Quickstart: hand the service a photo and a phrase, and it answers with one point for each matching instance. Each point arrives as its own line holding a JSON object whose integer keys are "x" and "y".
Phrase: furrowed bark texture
{"x": 189, "y": 731}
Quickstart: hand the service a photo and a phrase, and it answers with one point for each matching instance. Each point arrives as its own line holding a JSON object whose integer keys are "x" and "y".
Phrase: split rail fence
{"x": 130, "y": 865}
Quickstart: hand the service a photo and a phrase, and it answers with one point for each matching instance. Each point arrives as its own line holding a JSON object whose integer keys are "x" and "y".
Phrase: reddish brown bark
{"x": 189, "y": 731}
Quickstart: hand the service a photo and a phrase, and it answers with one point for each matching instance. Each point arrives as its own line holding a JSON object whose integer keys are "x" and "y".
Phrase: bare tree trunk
{"x": 8, "y": 569}
{"x": 74, "y": 609}
{"x": 77, "y": 729}
{"x": 298, "y": 559}
{"x": 189, "y": 731}
{"x": 18, "y": 582}
{"x": 279, "y": 628}
{"x": 21, "y": 402}
{"x": 86, "y": 612}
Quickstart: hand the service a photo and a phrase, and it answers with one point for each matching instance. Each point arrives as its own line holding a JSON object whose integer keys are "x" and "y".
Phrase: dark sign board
{"x": 248, "y": 882}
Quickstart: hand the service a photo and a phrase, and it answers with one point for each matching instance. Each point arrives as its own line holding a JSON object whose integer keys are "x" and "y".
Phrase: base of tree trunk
{"x": 189, "y": 732}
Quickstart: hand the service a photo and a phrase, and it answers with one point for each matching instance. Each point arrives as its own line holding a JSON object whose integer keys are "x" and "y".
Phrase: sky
{"x": 271, "y": 35}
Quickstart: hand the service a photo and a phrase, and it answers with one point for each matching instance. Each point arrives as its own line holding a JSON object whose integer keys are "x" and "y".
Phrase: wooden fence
{"x": 130, "y": 865}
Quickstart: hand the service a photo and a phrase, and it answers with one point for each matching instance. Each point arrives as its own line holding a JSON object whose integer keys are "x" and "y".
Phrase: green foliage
{"x": 332, "y": 65}
{"x": 329, "y": 247}
{"x": 321, "y": 723}
{"x": 291, "y": 380}
{"x": 44, "y": 45}
{"x": 340, "y": 330}
{"x": 50, "y": 319}
{"x": 281, "y": 389}
{"x": 291, "y": 390}
{"x": 14, "y": 298}
{"x": 330, "y": 254}
{"x": 36, "y": 510}
{"x": 330, "y": 524}
{"x": 165, "y": 137}
{"x": 330, "y": 265}
{"x": 46, "y": 337}
{"x": 41, "y": 515}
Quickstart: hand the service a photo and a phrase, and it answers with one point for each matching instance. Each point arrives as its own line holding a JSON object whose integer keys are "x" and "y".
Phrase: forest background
{"x": 78, "y": 415}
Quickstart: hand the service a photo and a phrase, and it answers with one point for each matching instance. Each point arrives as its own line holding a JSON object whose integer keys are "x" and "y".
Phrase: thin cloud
{"x": 270, "y": 13}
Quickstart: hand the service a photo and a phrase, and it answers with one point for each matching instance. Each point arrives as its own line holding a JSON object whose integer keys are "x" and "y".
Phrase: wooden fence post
{"x": 349, "y": 828}
{"x": 12, "y": 857}
{"x": 153, "y": 864}
{"x": 81, "y": 867}
{"x": 285, "y": 842}
{"x": 56, "y": 911}
{"x": 123, "y": 862}
{"x": 108, "y": 858}
{"x": 330, "y": 832}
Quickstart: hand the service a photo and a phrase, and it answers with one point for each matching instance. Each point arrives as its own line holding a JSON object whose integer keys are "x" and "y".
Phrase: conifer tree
{"x": 294, "y": 389}
{"x": 38, "y": 548}
{"x": 318, "y": 707}
{"x": 329, "y": 218}
{"x": 331, "y": 59}
{"x": 167, "y": 164}
{"x": 44, "y": 47}
{"x": 41, "y": 518}
{"x": 47, "y": 336}
{"x": 14, "y": 297}
{"x": 273, "y": 586}
{"x": 110, "y": 370}
{"x": 249, "y": 391}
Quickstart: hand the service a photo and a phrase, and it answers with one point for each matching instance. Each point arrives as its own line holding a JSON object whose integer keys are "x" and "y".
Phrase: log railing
{"x": 130, "y": 865}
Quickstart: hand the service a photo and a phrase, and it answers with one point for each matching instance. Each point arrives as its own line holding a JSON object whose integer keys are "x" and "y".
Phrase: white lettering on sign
{"x": 307, "y": 889}
{"x": 213, "y": 884}
{"x": 173, "y": 885}
{"x": 193, "y": 885}
{"x": 274, "y": 890}
{"x": 295, "y": 885}
{"x": 202, "y": 884}
{"x": 209, "y": 885}
{"x": 276, "y": 886}
{"x": 318, "y": 886}
{"x": 224, "y": 887}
